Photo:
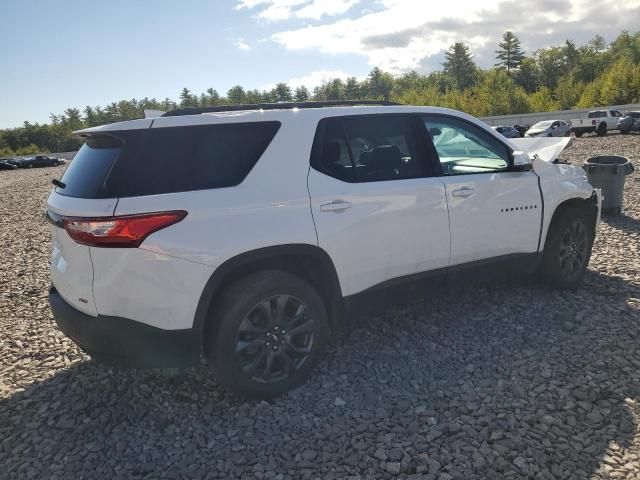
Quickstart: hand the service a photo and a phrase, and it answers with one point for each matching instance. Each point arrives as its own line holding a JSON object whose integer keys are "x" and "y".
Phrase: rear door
{"x": 493, "y": 211}
{"x": 378, "y": 211}
{"x": 83, "y": 195}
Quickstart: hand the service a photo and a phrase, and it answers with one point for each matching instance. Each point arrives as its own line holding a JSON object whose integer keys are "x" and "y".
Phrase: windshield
{"x": 542, "y": 125}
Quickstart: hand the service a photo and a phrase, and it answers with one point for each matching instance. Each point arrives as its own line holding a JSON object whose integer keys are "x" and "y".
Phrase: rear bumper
{"x": 123, "y": 342}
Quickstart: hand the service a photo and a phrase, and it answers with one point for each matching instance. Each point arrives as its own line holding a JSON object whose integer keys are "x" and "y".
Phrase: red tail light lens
{"x": 125, "y": 231}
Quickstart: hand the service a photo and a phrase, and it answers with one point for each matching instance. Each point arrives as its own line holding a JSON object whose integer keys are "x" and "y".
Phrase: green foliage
{"x": 282, "y": 93}
{"x": 302, "y": 94}
{"x": 619, "y": 83}
{"x": 559, "y": 77}
{"x": 542, "y": 101}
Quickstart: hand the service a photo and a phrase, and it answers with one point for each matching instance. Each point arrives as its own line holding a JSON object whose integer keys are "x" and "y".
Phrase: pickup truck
{"x": 597, "y": 121}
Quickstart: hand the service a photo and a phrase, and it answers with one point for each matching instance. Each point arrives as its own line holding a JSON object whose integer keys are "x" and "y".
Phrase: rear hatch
{"x": 82, "y": 192}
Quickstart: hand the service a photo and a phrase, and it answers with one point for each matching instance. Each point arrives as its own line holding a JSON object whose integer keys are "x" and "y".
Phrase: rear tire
{"x": 267, "y": 333}
{"x": 568, "y": 248}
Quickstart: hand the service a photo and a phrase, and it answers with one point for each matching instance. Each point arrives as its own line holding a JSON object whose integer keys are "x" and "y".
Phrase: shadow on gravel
{"x": 508, "y": 381}
{"x": 623, "y": 222}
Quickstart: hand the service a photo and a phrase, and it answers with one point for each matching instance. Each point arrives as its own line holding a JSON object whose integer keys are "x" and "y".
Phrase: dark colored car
{"x": 37, "y": 161}
{"x": 508, "y": 132}
{"x": 522, "y": 129}
{"x": 629, "y": 123}
{"x": 6, "y": 165}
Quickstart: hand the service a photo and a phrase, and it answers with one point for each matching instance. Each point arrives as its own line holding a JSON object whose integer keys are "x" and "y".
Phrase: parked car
{"x": 549, "y": 128}
{"x": 597, "y": 121}
{"x": 37, "y": 161}
{"x": 629, "y": 123}
{"x": 6, "y": 165}
{"x": 508, "y": 132}
{"x": 280, "y": 216}
{"x": 522, "y": 129}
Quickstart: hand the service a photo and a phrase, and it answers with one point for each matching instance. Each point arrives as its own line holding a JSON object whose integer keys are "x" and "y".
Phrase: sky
{"x": 71, "y": 53}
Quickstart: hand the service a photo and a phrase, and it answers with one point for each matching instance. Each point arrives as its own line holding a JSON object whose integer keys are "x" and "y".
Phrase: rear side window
{"x": 370, "y": 148}
{"x": 598, "y": 114}
{"x": 86, "y": 175}
{"x": 180, "y": 159}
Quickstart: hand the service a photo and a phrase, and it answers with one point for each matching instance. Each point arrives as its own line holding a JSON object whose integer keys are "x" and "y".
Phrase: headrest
{"x": 331, "y": 152}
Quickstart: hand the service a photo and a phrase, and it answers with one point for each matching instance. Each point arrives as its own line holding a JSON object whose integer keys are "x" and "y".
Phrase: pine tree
{"x": 459, "y": 65}
{"x": 510, "y": 53}
{"x": 598, "y": 44}
{"x": 187, "y": 99}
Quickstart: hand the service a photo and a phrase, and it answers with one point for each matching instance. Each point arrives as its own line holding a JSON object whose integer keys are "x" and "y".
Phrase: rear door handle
{"x": 463, "y": 192}
{"x": 335, "y": 206}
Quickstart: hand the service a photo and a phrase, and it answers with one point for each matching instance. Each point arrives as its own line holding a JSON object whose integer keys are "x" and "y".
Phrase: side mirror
{"x": 521, "y": 162}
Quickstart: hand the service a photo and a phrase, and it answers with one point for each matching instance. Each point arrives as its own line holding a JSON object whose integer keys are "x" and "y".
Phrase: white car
{"x": 549, "y": 128}
{"x": 244, "y": 234}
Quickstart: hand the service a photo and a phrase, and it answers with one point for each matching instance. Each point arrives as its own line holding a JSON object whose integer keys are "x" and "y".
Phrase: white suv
{"x": 244, "y": 233}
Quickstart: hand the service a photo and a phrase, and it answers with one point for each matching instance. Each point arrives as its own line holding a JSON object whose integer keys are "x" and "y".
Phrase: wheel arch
{"x": 589, "y": 204}
{"x": 310, "y": 262}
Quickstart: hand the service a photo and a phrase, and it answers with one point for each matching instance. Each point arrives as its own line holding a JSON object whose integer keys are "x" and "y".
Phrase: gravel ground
{"x": 508, "y": 381}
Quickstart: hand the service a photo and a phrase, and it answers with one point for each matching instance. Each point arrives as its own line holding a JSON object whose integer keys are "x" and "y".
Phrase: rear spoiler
{"x": 153, "y": 113}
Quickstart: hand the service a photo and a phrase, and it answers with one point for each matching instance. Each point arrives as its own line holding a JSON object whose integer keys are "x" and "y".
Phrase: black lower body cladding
{"x": 123, "y": 342}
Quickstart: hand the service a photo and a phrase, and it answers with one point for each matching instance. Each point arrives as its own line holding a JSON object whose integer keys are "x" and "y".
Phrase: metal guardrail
{"x": 567, "y": 115}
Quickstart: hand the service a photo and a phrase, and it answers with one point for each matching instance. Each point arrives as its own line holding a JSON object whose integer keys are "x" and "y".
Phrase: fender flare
{"x": 261, "y": 255}
{"x": 589, "y": 201}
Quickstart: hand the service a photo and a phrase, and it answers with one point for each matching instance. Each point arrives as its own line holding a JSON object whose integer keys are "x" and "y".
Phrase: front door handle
{"x": 335, "y": 206}
{"x": 463, "y": 192}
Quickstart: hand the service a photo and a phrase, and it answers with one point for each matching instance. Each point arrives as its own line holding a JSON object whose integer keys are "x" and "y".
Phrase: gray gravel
{"x": 503, "y": 381}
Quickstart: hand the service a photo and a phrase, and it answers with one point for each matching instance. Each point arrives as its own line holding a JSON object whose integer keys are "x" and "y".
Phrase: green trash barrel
{"x": 607, "y": 172}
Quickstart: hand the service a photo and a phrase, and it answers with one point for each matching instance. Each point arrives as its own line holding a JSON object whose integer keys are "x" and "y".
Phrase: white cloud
{"x": 313, "y": 79}
{"x": 274, "y": 10}
{"x": 241, "y": 44}
{"x": 409, "y": 34}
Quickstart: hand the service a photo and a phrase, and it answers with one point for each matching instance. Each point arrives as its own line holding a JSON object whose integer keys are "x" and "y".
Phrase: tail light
{"x": 123, "y": 231}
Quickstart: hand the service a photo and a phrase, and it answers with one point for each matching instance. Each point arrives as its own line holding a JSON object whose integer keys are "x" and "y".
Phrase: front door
{"x": 493, "y": 210}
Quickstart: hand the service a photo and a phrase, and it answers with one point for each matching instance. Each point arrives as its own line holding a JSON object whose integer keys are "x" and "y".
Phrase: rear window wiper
{"x": 58, "y": 183}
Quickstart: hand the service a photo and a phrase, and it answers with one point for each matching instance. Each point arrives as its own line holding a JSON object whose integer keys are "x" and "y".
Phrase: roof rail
{"x": 178, "y": 112}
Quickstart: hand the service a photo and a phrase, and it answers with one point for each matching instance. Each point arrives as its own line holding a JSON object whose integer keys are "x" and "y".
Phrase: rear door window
{"x": 180, "y": 159}
{"x": 371, "y": 148}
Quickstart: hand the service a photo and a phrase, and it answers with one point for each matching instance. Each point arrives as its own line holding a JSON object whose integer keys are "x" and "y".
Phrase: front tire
{"x": 601, "y": 130}
{"x": 267, "y": 333}
{"x": 568, "y": 248}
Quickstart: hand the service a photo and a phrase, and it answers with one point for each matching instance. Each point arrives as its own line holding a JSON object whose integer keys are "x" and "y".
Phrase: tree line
{"x": 555, "y": 78}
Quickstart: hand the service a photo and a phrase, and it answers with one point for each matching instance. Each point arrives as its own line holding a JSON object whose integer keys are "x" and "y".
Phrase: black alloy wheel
{"x": 574, "y": 247}
{"x": 275, "y": 338}
{"x": 266, "y": 333}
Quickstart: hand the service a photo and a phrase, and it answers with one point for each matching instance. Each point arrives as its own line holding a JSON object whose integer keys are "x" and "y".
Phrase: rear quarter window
{"x": 179, "y": 159}
{"x": 86, "y": 174}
